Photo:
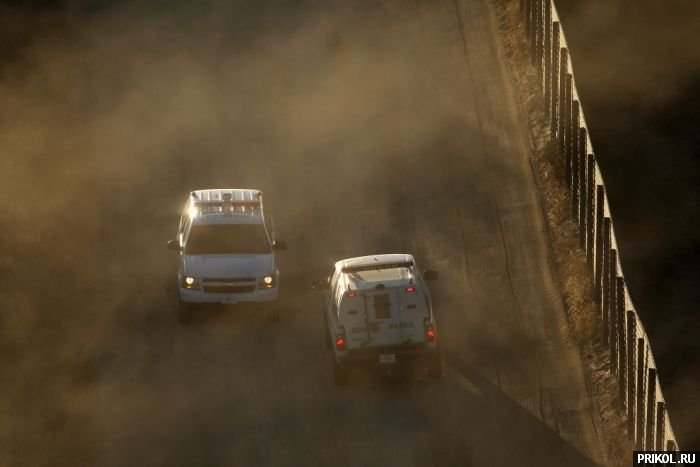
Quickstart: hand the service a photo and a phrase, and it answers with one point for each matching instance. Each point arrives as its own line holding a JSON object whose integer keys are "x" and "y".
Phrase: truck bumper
{"x": 405, "y": 354}
{"x": 257, "y": 296}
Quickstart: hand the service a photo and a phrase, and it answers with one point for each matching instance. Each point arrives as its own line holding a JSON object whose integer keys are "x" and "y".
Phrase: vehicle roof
{"x": 357, "y": 278}
{"x": 226, "y": 206}
{"x": 374, "y": 260}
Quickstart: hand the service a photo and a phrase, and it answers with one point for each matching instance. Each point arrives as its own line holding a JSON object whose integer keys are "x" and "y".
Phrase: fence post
{"x": 641, "y": 409}
{"x": 582, "y": 187}
{"x": 590, "y": 220}
{"x": 605, "y": 273}
{"x": 660, "y": 425}
{"x": 631, "y": 383}
{"x": 566, "y": 140}
{"x": 554, "y": 102}
{"x": 547, "y": 50}
{"x": 621, "y": 341}
{"x": 651, "y": 404}
{"x": 563, "y": 61}
{"x": 599, "y": 242}
{"x": 572, "y": 149}
{"x": 612, "y": 308}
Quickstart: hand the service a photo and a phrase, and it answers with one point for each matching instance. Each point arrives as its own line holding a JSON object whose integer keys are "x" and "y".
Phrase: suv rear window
{"x": 374, "y": 275}
{"x": 213, "y": 239}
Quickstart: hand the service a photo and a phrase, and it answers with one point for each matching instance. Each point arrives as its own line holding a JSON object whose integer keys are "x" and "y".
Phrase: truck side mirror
{"x": 174, "y": 245}
{"x": 430, "y": 275}
{"x": 320, "y": 285}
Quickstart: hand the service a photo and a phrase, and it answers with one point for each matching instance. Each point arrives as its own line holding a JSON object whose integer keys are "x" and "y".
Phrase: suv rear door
{"x": 390, "y": 318}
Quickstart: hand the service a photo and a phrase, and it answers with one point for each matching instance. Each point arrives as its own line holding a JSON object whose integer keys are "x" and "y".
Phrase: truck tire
{"x": 184, "y": 312}
{"x": 340, "y": 374}
{"x": 435, "y": 366}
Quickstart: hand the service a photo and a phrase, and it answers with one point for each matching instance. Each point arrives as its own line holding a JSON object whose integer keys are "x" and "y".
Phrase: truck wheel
{"x": 273, "y": 311}
{"x": 184, "y": 312}
{"x": 435, "y": 366}
{"x": 340, "y": 374}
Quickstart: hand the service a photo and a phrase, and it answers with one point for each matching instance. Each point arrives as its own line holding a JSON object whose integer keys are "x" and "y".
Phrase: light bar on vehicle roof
{"x": 377, "y": 267}
{"x": 213, "y": 207}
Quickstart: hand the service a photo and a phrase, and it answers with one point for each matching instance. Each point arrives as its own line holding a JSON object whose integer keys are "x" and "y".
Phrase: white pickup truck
{"x": 378, "y": 313}
{"x": 227, "y": 251}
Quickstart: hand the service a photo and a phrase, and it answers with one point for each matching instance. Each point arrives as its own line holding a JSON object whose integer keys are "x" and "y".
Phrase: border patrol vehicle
{"x": 227, "y": 251}
{"x": 378, "y": 313}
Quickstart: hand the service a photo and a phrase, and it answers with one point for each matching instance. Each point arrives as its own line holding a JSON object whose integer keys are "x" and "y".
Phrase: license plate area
{"x": 387, "y": 359}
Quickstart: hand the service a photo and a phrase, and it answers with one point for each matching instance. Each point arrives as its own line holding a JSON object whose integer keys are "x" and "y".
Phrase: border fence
{"x": 631, "y": 359}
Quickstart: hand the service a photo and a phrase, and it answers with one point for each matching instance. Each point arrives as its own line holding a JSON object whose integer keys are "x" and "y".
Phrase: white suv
{"x": 378, "y": 313}
{"x": 227, "y": 251}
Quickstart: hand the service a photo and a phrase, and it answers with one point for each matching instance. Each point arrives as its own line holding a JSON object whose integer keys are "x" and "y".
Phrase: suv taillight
{"x": 340, "y": 341}
{"x": 430, "y": 333}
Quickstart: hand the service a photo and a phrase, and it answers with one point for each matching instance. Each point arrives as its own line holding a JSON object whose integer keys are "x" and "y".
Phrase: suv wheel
{"x": 184, "y": 312}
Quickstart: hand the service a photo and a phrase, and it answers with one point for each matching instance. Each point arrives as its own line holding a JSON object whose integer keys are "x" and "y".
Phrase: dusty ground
{"x": 373, "y": 128}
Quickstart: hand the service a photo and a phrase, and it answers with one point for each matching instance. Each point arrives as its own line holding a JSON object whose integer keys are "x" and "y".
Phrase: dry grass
{"x": 575, "y": 279}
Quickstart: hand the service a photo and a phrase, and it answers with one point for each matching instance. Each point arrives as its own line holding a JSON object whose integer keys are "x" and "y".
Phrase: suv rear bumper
{"x": 404, "y": 354}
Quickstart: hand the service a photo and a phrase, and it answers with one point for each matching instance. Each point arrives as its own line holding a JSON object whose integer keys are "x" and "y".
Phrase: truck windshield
{"x": 216, "y": 239}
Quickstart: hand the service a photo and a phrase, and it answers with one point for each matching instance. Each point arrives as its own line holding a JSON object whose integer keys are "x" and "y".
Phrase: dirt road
{"x": 386, "y": 126}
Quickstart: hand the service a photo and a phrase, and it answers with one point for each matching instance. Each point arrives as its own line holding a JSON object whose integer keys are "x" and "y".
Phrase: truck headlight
{"x": 267, "y": 282}
{"x": 189, "y": 282}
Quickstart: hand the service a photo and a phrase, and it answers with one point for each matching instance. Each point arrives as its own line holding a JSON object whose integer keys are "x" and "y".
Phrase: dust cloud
{"x": 112, "y": 111}
{"x": 637, "y": 66}
{"x": 644, "y": 52}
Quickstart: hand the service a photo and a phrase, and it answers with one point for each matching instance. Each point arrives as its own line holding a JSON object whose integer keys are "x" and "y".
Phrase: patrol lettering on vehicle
{"x": 401, "y": 325}
{"x": 358, "y": 330}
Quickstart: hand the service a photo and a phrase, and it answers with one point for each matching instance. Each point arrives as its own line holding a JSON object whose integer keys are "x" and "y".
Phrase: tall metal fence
{"x": 631, "y": 359}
